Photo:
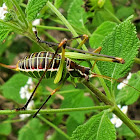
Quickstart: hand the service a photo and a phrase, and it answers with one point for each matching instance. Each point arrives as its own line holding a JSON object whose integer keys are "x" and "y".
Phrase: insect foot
{"x": 22, "y": 108}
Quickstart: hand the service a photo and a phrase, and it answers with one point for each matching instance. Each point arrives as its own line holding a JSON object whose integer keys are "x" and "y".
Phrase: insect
{"x": 46, "y": 64}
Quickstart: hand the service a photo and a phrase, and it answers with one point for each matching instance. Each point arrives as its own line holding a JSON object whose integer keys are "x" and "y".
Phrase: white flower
{"x": 22, "y": 93}
{"x": 115, "y": 120}
{"x": 30, "y": 81}
{"x": 121, "y": 85}
{"x": 3, "y": 11}
{"x": 25, "y": 93}
{"x": 36, "y": 22}
{"x": 30, "y": 105}
{"x": 24, "y": 116}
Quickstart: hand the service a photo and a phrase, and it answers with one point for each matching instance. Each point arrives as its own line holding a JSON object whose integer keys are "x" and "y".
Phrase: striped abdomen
{"x": 35, "y": 64}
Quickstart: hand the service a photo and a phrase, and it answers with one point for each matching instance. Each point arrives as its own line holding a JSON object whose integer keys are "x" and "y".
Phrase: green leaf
{"x": 124, "y": 12}
{"x": 5, "y": 128}
{"x": 98, "y": 127}
{"x": 123, "y": 43}
{"x": 33, "y": 8}
{"x": 4, "y": 31}
{"x": 71, "y": 125}
{"x": 100, "y": 33}
{"x": 128, "y": 95}
{"x": 1, "y": 3}
{"x": 58, "y": 3}
{"x": 12, "y": 87}
{"x": 77, "y": 16}
{"x": 56, "y": 136}
{"x": 77, "y": 99}
{"x": 102, "y": 14}
{"x": 9, "y": 4}
{"x": 32, "y": 130}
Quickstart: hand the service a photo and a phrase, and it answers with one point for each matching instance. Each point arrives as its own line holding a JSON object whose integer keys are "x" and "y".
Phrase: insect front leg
{"x": 52, "y": 93}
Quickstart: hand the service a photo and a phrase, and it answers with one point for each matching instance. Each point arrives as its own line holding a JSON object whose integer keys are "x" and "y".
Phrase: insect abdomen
{"x": 36, "y": 63}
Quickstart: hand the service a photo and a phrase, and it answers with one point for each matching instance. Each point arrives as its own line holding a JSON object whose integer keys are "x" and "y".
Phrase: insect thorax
{"x": 35, "y": 64}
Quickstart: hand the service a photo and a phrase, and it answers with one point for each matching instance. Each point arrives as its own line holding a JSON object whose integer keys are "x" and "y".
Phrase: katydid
{"x": 46, "y": 64}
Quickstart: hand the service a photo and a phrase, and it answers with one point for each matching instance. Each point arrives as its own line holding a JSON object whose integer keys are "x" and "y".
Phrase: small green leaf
{"x": 123, "y": 43}
{"x": 32, "y": 130}
{"x": 1, "y": 3}
{"x": 4, "y": 31}
{"x": 128, "y": 95}
{"x": 12, "y": 87}
{"x": 124, "y": 12}
{"x": 100, "y": 33}
{"x": 58, "y": 3}
{"x": 98, "y": 127}
{"x": 75, "y": 99}
{"x": 33, "y": 8}
{"x": 102, "y": 14}
{"x": 71, "y": 124}
{"x": 5, "y": 128}
{"x": 77, "y": 16}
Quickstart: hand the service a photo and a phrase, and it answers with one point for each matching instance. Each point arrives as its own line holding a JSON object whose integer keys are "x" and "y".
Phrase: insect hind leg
{"x": 52, "y": 93}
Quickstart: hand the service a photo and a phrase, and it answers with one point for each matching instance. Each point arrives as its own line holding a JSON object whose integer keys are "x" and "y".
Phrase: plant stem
{"x": 98, "y": 93}
{"x": 136, "y": 121}
{"x": 102, "y": 82}
{"x": 21, "y": 13}
{"x": 50, "y": 37}
{"x": 112, "y": 15}
{"x": 52, "y": 28}
{"x": 49, "y": 111}
{"x": 116, "y": 110}
{"x": 54, "y": 126}
{"x": 137, "y": 60}
{"x": 127, "y": 121}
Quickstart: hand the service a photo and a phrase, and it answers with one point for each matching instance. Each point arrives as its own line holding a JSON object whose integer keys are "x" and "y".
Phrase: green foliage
{"x": 32, "y": 130}
{"x": 103, "y": 14}
{"x": 80, "y": 17}
{"x": 14, "y": 85}
{"x": 101, "y": 21}
{"x": 98, "y": 127}
{"x": 124, "y": 12}
{"x": 33, "y": 8}
{"x": 76, "y": 99}
{"x": 58, "y": 3}
{"x": 123, "y": 43}
{"x": 100, "y": 33}
{"x": 129, "y": 95}
{"x": 5, "y": 128}
{"x": 5, "y": 30}
{"x": 126, "y": 132}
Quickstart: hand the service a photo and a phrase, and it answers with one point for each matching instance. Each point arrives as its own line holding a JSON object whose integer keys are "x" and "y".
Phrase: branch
{"x": 49, "y": 111}
{"x": 116, "y": 110}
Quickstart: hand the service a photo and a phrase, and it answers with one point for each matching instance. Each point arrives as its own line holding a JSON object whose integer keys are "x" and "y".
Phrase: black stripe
{"x": 35, "y": 60}
{"x": 56, "y": 62}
